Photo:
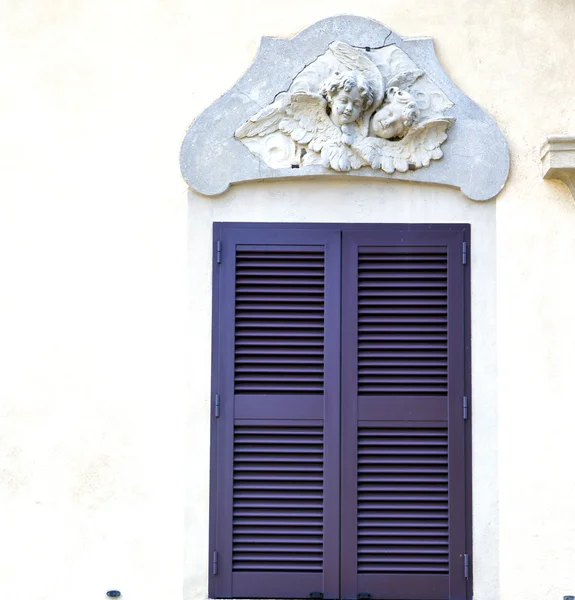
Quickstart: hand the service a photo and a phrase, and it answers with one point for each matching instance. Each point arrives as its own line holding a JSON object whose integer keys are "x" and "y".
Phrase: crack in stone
{"x": 307, "y": 64}
{"x": 247, "y": 96}
{"x": 370, "y": 48}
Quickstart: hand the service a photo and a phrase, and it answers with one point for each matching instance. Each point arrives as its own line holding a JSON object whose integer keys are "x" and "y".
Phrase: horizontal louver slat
{"x": 279, "y": 320}
{"x": 278, "y": 508}
{"x": 403, "y": 516}
{"x": 402, "y": 321}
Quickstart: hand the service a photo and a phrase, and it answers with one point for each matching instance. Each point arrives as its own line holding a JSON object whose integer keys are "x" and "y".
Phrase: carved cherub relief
{"x": 396, "y": 116}
{"x": 341, "y": 113}
{"x": 348, "y": 95}
{"x": 325, "y": 110}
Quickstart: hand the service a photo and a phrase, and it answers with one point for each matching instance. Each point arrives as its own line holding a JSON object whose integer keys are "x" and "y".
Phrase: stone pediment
{"x": 346, "y": 97}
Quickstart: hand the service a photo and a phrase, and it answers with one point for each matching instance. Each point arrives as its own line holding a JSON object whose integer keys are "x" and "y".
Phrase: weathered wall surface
{"x": 104, "y": 314}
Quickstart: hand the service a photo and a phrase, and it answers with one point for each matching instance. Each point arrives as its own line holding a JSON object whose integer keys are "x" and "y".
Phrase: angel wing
{"x": 265, "y": 121}
{"x": 351, "y": 57}
{"x": 417, "y": 149}
{"x": 341, "y": 158}
{"x": 405, "y": 79}
{"x": 306, "y": 121}
{"x": 302, "y": 116}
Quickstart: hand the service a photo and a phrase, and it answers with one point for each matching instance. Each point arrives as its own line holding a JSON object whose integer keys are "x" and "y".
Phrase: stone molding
{"x": 223, "y": 147}
{"x": 558, "y": 160}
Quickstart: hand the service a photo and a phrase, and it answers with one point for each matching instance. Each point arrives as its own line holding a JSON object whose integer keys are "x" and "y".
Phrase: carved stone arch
{"x": 346, "y": 97}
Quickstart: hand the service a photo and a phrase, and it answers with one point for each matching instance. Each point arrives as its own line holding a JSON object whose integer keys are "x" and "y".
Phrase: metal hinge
{"x": 465, "y": 407}
{"x": 217, "y": 406}
{"x": 215, "y": 563}
{"x": 464, "y": 249}
{"x": 466, "y": 565}
{"x": 219, "y": 252}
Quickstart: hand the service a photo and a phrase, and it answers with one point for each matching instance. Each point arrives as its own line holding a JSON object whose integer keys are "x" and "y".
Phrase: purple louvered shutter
{"x": 403, "y": 521}
{"x": 275, "y": 433}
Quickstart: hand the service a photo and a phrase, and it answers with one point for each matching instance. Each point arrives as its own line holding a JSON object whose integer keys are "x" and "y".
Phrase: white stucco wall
{"x": 104, "y": 311}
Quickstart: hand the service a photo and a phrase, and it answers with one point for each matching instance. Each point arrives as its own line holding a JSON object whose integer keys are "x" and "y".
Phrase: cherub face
{"x": 346, "y": 106}
{"x": 395, "y": 118}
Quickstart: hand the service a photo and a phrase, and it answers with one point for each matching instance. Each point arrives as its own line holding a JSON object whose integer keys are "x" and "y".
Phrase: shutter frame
{"x": 233, "y": 582}
{"x": 220, "y": 586}
{"x": 413, "y": 586}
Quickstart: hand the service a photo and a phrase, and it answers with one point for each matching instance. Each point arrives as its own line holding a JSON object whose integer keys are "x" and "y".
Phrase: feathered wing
{"x": 265, "y": 121}
{"x": 424, "y": 140}
{"x": 303, "y": 117}
{"x": 417, "y": 149}
{"x": 354, "y": 59}
{"x": 405, "y": 79}
{"x": 341, "y": 157}
{"x": 382, "y": 154}
{"x": 306, "y": 121}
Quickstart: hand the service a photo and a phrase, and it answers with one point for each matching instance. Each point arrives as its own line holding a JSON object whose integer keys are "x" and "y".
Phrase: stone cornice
{"x": 558, "y": 159}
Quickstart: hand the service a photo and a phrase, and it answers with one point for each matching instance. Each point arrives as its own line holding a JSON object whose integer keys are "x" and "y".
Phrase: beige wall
{"x": 103, "y": 388}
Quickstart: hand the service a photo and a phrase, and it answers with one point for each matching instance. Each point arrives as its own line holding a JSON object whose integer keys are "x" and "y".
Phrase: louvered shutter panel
{"x": 403, "y": 453}
{"x": 275, "y": 453}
